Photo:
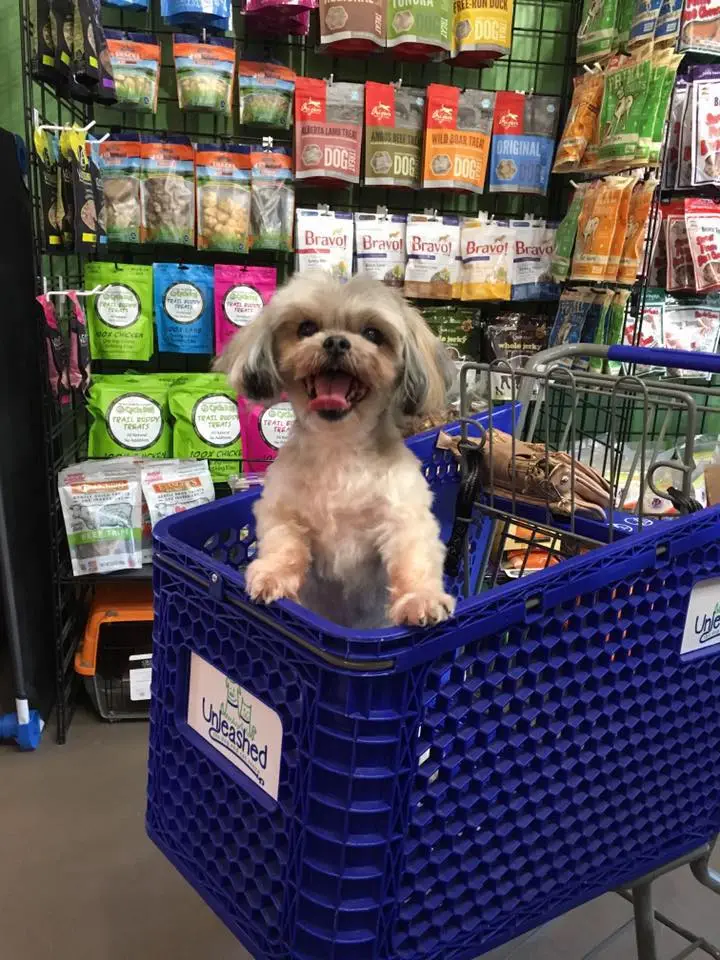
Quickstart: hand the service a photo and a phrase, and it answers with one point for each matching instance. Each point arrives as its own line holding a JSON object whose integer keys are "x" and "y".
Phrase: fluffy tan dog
{"x": 345, "y": 523}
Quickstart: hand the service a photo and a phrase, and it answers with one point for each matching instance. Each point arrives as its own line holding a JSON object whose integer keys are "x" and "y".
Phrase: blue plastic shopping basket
{"x": 427, "y": 795}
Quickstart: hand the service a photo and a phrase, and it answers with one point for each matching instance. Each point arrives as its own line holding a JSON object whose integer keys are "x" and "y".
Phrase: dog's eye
{"x": 307, "y": 328}
{"x": 373, "y": 335}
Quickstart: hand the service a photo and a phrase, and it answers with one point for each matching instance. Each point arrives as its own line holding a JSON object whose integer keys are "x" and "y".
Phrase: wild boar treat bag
{"x": 393, "y": 134}
{"x": 457, "y": 138}
{"x": 328, "y": 131}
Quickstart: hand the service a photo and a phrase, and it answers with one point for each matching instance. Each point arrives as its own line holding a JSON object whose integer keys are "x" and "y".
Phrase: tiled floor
{"x": 79, "y": 880}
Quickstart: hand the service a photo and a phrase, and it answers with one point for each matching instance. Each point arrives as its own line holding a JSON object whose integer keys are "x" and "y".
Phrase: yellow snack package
{"x": 596, "y": 228}
{"x": 482, "y": 31}
{"x": 486, "y": 252}
{"x": 640, "y": 203}
{"x": 581, "y": 123}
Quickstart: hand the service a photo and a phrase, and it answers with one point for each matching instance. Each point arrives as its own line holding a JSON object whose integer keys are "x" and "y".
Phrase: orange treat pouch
{"x": 640, "y": 203}
{"x": 456, "y": 152}
{"x": 596, "y": 228}
{"x": 581, "y": 122}
{"x": 620, "y": 232}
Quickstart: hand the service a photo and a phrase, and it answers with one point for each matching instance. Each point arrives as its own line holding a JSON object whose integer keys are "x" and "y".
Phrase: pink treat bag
{"x": 240, "y": 294}
{"x": 263, "y": 431}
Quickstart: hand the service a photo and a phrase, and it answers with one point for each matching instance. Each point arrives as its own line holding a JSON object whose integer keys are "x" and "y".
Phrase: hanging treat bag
{"x": 533, "y": 244}
{"x": 571, "y": 317}
{"x": 702, "y": 221}
{"x": 135, "y": 63}
{"x": 667, "y": 28}
{"x": 380, "y": 247}
{"x": 482, "y": 32}
{"x": 265, "y": 94}
{"x": 120, "y": 315}
{"x": 47, "y": 150}
{"x": 597, "y": 224}
{"x": 204, "y": 71}
{"x": 393, "y": 134}
{"x": 328, "y": 131}
{"x": 565, "y": 236}
{"x": 139, "y": 5}
{"x": 457, "y": 138}
{"x": 263, "y": 431}
{"x": 56, "y": 353}
{"x": 324, "y": 242}
{"x": 581, "y": 122}
{"x": 84, "y": 226}
{"x": 419, "y": 29}
{"x": 210, "y": 14}
{"x": 700, "y": 27}
{"x": 619, "y": 232}
{"x": 523, "y": 141}
{"x": 129, "y": 416}
{"x": 433, "y": 250}
{"x": 680, "y": 271}
{"x": 668, "y": 73}
{"x": 79, "y": 352}
{"x": 486, "y": 253}
{"x": 240, "y": 294}
{"x": 94, "y": 165}
{"x": 639, "y": 212}
{"x": 349, "y": 27}
{"x": 174, "y": 486}
{"x": 272, "y": 199}
{"x": 183, "y": 295}
{"x": 597, "y": 36}
{"x": 672, "y": 146}
{"x": 644, "y": 21}
{"x": 627, "y": 85}
{"x": 206, "y": 425}
{"x": 692, "y": 325}
{"x": 222, "y": 182}
{"x": 705, "y": 143}
{"x": 169, "y": 191}
{"x": 61, "y": 27}
{"x": 84, "y": 65}
{"x": 121, "y": 166}
{"x": 42, "y": 52}
{"x": 652, "y": 106}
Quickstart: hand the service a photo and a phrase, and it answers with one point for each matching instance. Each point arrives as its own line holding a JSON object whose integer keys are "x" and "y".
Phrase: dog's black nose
{"x": 336, "y": 344}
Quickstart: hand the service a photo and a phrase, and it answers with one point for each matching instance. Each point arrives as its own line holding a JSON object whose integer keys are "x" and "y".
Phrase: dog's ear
{"x": 428, "y": 372}
{"x": 249, "y": 363}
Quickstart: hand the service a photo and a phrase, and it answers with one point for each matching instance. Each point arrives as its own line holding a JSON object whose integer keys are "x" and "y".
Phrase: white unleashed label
{"x": 276, "y": 423}
{"x": 140, "y": 676}
{"x": 242, "y": 304}
{"x": 118, "y": 305}
{"x": 134, "y": 421}
{"x": 216, "y": 420}
{"x": 183, "y": 302}
{"x": 702, "y": 624}
{"x": 242, "y": 728}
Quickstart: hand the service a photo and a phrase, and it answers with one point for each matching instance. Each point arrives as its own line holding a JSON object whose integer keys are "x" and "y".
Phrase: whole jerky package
{"x": 328, "y": 131}
{"x": 272, "y": 199}
{"x": 523, "y": 142}
{"x": 639, "y": 212}
{"x": 700, "y": 27}
{"x": 457, "y": 138}
{"x": 433, "y": 251}
{"x": 705, "y": 143}
{"x": 240, "y": 294}
{"x": 512, "y": 337}
{"x": 419, "y": 29}
{"x": 380, "y": 247}
{"x": 324, "y": 242}
{"x": 168, "y": 184}
{"x": 702, "y": 222}
{"x": 582, "y": 119}
{"x": 121, "y": 168}
{"x": 459, "y": 328}
{"x": 565, "y": 236}
{"x": 47, "y": 151}
{"x": 350, "y": 27}
{"x": 135, "y": 60}
{"x": 393, "y": 134}
{"x": 597, "y": 36}
{"x": 222, "y": 181}
{"x": 482, "y": 31}
{"x": 486, "y": 250}
{"x": 73, "y": 148}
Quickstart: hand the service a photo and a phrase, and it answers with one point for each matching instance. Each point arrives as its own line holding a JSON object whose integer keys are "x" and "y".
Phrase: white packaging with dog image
{"x": 380, "y": 247}
{"x": 174, "y": 486}
{"x": 433, "y": 252}
{"x": 324, "y": 241}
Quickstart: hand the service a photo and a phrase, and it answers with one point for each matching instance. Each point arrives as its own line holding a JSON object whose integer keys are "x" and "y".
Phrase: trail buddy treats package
{"x": 222, "y": 182}
{"x": 328, "y": 130}
{"x": 419, "y": 29}
{"x": 433, "y": 250}
{"x": 204, "y": 71}
{"x": 380, "y": 247}
{"x": 129, "y": 416}
{"x": 581, "y": 122}
{"x": 349, "y": 27}
{"x": 393, "y": 134}
{"x": 121, "y": 165}
{"x": 120, "y": 316}
{"x": 265, "y": 94}
{"x": 169, "y": 191}
{"x": 565, "y": 236}
{"x": 457, "y": 138}
{"x": 324, "y": 241}
{"x": 272, "y": 199}
{"x": 486, "y": 251}
{"x": 174, "y": 486}
{"x": 240, "y": 294}
{"x": 597, "y": 38}
{"x": 700, "y": 27}
{"x": 206, "y": 424}
{"x": 263, "y": 430}
{"x": 183, "y": 296}
{"x": 482, "y": 31}
{"x": 524, "y": 130}
{"x": 103, "y": 522}
{"x": 135, "y": 61}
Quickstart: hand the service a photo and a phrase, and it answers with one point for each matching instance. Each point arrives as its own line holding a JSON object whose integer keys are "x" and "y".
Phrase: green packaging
{"x": 624, "y": 17}
{"x": 120, "y": 315}
{"x": 669, "y": 63}
{"x": 597, "y": 36}
{"x": 565, "y": 236}
{"x": 129, "y": 416}
{"x": 207, "y": 427}
{"x": 419, "y": 28}
{"x": 621, "y": 114}
{"x": 650, "y": 111}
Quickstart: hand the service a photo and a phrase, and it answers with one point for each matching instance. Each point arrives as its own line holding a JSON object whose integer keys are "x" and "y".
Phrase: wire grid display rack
{"x": 542, "y": 60}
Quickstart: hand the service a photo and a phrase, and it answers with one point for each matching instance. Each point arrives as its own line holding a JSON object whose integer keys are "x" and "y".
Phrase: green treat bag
{"x": 625, "y": 11}
{"x": 605, "y": 299}
{"x": 565, "y": 236}
{"x": 120, "y": 316}
{"x": 616, "y": 326}
{"x": 621, "y": 115}
{"x": 129, "y": 417}
{"x": 207, "y": 427}
{"x": 597, "y": 36}
{"x": 650, "y": 111}
{"x": 669, "y": 63}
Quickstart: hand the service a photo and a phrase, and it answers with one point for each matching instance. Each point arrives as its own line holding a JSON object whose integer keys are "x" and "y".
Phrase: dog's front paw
{"x": 422, "y": 608}
{"x": 266, "y": 582}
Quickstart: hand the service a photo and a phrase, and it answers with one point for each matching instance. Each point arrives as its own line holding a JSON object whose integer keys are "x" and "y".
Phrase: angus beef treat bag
{"x": 393, "y": 134}
{"x": 457, "y": 138}
{"x": 350, "y": 27}
{"x": 524, "y": 132}
{"x": 419, "y": 29}
{"x": 328, "y": 131}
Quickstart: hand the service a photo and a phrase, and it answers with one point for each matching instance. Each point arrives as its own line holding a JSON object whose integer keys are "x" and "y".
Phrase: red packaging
{"x": 702, "y": 223}
{"x": 680, "y": 270}
{"x": 328, "y": 131}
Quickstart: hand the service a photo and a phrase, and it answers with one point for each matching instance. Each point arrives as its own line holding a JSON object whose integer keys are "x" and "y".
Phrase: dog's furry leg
{"x": 283, "y": 557}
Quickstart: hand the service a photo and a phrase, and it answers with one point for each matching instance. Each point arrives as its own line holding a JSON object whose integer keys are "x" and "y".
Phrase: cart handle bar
{"x": 656, "y": 357}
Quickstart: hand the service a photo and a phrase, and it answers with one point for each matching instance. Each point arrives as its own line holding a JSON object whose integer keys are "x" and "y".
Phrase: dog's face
{"x": 342, "y": 353}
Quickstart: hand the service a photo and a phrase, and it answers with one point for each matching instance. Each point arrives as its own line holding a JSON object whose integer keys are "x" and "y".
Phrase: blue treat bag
{"x": 524, "y": 131}
{"x": 183, "y": 296}
{"x": 213, "y": 14}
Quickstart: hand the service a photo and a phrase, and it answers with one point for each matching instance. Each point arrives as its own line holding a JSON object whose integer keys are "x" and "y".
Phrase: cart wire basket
{"x": 407, "y": 794}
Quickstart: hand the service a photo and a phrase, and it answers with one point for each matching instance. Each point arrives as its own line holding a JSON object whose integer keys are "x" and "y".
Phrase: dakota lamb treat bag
{"x": 380, "y": 247}
{"x": 135, "y": 63}
{"x": 272, "y": 199}
{"x": 129, "y": 416}
{"x": 393, "y": 134}
{"x": 121, "y": 167}
{"x": 631, "y": 256}
{"x": 565, "y": 236}
{"x": 324, "y": 241}
{"x": 597, "y": 36}
{"x": 680, "y": 271}
{"x": 222, "y": 197}
{"x": 457, "y": 138}
{"x": 533, "y": 243}
{"x": 350, "y": 27}
{"x": 205, "y": 72}
{"x": 328, "y": 131}
{"x": 581, "y": 121}
{"x": 120, "y": 315}
{"x": 481, "y": 32}
{"x": 705, "y": 144}
{"x": 486, "y": 250}
{"x": 183, "y": 295}
{"x": 419, "y": 29}
{"x": 433, "y": 250}
{"x": 240, "y": 295}
{"x": 523, "y": 142}
{"x": 265, "y": 94}
{"x": 206, "y": 424}
{"x": 263, "y": 430}
{"x": 700, "y": 27}
{"x": 627, "y": 83}
{"x": 702, "y": 221}
{"x": 169, "y": 191}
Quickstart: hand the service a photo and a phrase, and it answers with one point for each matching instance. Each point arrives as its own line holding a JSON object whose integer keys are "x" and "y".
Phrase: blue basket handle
{"x": 672, "y": 359}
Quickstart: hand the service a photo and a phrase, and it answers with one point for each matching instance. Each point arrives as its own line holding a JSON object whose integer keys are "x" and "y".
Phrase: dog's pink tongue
{"x": 330, "y": 392}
